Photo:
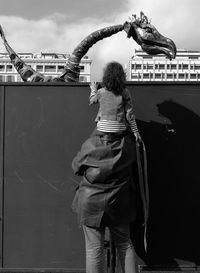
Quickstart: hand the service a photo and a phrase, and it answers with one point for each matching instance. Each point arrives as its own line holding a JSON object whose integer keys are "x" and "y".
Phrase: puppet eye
{"x": 148, "y": 29}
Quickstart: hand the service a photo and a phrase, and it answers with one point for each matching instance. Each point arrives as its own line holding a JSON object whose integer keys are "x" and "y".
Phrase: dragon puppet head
{"x": 148, "y": 37}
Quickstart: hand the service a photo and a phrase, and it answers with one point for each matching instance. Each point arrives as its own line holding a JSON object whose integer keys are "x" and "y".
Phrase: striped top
{"x": 113, "y": 126}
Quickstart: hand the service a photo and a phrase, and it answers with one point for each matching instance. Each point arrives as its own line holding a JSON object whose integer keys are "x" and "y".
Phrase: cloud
{"x": 177, "y": 20}
{"x": 53, "y": 34}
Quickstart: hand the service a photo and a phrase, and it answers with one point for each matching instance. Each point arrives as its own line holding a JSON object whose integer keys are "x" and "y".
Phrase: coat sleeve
{"x": 81, "y": 161}
{"x": 78, "y": 164}
{"x": 128, "y": 106}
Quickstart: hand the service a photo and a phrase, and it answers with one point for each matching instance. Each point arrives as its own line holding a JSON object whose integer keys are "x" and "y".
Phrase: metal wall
{"x": 42, "y": 128}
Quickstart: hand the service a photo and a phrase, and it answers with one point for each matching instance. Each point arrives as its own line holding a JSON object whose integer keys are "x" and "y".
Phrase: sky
{"x": 60, "y": 25}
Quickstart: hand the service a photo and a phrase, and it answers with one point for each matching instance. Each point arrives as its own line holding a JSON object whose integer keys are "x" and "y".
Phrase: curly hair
{"x": 114, "y": 78}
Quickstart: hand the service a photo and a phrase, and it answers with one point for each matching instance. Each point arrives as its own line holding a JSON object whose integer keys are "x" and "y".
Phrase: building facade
{"x": 185, "y": 67}
{"x": 48, "y": 64}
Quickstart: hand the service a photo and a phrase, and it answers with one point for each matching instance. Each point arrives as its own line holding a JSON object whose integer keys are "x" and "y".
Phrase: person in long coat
{"x": 106, "y": 196}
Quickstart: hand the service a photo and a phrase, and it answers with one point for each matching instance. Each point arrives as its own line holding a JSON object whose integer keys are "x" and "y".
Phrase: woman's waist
{"x": 111, "y": 126}
{"x": 111, "y": 136}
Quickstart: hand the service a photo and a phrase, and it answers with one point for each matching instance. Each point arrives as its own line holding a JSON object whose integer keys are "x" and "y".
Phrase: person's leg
{"x": 121, "y": 237}
{"x": 94, "y": 245}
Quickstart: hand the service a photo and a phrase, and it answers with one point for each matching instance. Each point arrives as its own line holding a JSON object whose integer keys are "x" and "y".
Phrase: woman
{"x": 107, "y": 193}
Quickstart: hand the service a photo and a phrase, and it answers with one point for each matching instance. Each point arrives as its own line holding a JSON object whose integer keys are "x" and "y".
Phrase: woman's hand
{"x": 93, "y": 86}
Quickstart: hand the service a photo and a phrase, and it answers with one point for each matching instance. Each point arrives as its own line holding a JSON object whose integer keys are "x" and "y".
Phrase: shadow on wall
{"x": 173, "y": 152}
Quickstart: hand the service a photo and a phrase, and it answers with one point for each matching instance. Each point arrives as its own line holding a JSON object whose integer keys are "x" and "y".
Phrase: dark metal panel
{"x": 169, "y": 121}
{"x": 1, "y": 169}
{"x": 44, "y": 129}
{"x": 45, "y": 126}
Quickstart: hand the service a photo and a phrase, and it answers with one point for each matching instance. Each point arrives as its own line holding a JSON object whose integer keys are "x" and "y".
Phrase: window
{"x": 82, "y": 67}
{"x": 2, "y": 78}
{"x": 149, "y": 66}
{"x": 197, "y": 66}
{"x": 9, "y": 68}
{"x": 134, "y": 76}
{"x": 146, "y": 76}
{"x": 169, "y": 76}
{"x": 10, "y": 78}
{"x": 60, "y": 68}
{"x": 185, "y": 66}
{"x": 181, "y": 76}
{"x": 138, "y": 66}
{"x": 157, "y": 75}
{"x": 161, "y": 66}
{"x": 173, "y": 66}
{"x": 39, "y": 68}
{"x": 82, "y": 79}
{"x": 50, "y": 68}
{"x": 193, "y": 76}
{"x": 2, "y": 67}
